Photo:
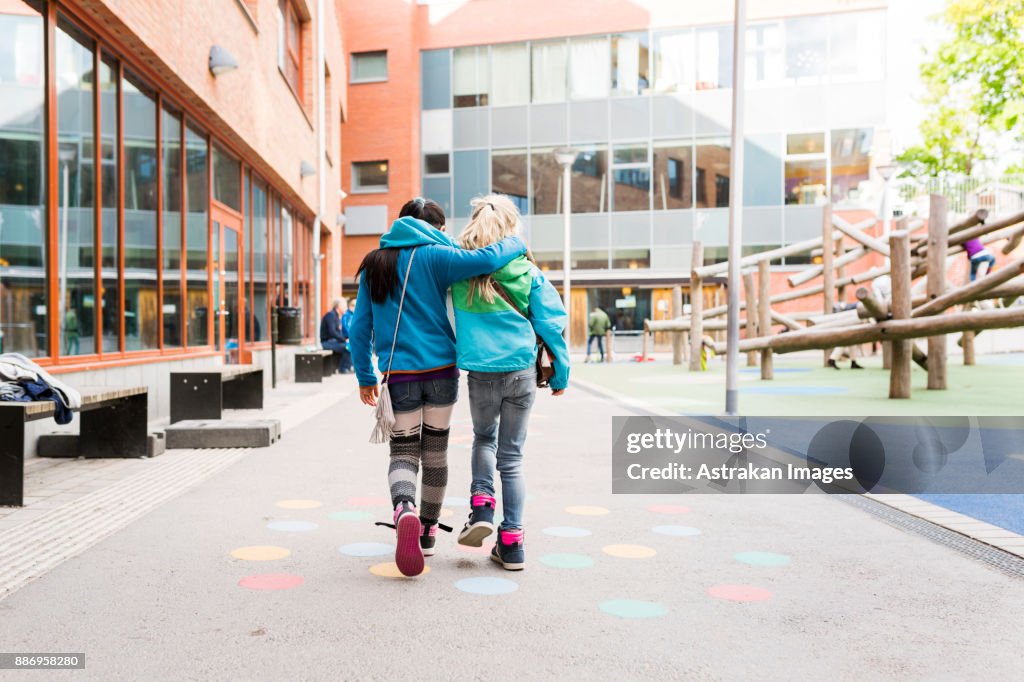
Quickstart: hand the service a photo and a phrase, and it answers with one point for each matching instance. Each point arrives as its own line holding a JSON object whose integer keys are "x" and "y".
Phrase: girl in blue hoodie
{"x": 498, "y": 319}
{"x": 423, "y": 381}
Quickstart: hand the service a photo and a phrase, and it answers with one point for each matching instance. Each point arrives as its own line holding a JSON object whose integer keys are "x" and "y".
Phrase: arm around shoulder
{"x": 548, "y": 317}
{"x": 462, "y": 264}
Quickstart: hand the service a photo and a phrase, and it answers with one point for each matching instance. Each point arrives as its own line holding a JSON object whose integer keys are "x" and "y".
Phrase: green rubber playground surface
{"x": 802, "y": 386}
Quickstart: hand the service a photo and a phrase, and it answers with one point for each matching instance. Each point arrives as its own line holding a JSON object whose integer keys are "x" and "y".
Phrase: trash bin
{"x": 289, "y": 326}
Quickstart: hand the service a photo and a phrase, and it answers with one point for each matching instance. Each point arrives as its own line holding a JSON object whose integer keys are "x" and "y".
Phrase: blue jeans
{"x": 600, "y": 344}
{"x": 980, "y": 258}
{"x": 344, "y": 359}
{"x": 407, "y": 396}
{"x": 500, "y": 403}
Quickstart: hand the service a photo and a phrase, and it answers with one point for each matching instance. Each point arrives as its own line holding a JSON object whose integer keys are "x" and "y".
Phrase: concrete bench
{"x": 312, "y": 366}
{"x": 205, "y": 394}
{"x": 113, "y": 424}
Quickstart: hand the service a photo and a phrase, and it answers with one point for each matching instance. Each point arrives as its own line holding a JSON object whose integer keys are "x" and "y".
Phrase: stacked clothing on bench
{"x": 22, "y": 380}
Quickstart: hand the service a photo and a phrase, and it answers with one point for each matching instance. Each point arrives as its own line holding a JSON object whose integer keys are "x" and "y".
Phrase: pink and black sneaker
{"x": 428, "y": 538}
{"x": 480, "y": 523}
{"x": 408, "y": 555}
{"x": 508, "y": 550}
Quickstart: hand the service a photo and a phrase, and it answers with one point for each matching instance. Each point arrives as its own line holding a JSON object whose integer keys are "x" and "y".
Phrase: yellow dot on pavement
{"x": 445, "y": 513}
{"x": 629, "y": 551}
{"x": 260, "y": 553}
{"x": 299, "y": 504}
{"x": 390, "y": 570}
{"x": 587, "y": 511}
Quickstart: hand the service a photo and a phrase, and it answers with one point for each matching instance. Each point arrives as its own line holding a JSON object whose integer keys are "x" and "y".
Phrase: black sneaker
{"x": 428, "y": 538}
{"x": 480, "y": 523}
{"x": 508, "y": 550}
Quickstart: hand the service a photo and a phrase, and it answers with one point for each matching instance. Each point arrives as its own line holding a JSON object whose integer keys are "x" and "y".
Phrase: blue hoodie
{"x": 426, "y": 341}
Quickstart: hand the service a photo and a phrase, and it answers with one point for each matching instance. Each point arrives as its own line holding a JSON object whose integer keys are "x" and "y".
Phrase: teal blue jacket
{"x": 492, "y": 337}
{"x": 426, "y": 341}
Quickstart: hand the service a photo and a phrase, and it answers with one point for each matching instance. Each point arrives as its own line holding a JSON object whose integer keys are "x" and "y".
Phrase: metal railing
{"x": 1000, "y": 195}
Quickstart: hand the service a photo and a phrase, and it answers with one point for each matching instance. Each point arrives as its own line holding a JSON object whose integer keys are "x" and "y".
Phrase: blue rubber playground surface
{"x": 1005, "y": 511}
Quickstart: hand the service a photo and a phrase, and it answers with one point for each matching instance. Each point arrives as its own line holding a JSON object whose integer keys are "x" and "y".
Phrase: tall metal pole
{"x": 732, "y": 339}
{"x": 566, "y": 247}
{"x": 321, "y": 150}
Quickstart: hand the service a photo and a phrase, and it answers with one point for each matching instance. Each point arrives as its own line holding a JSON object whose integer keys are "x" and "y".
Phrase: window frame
{"x": 354, "y": 56}
{"x": 359, "y": 188}
{"x": 284, "y": 48}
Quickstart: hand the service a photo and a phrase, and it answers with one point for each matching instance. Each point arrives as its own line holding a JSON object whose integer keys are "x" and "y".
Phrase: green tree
{"x": 973, "y": 88}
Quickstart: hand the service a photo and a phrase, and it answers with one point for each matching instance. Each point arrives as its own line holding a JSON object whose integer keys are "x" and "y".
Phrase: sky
{"x": 910, "y": 30}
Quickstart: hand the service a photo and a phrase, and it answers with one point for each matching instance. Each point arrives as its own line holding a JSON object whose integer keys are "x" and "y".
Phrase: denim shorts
{"x": 408, "y": 396}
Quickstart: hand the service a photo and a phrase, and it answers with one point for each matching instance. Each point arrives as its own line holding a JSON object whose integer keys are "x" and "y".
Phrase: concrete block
{"x": 57, "y": 445}
{"x": 157, "y": 444}
{"x": 204, "y": 433}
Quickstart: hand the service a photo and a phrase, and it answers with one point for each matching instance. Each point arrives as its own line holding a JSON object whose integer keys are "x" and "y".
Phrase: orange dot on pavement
{"x": 260, "y": 553}
{"x": 390, "y": 570}
{"x": 584, "y": 510}
{"x": 629, "y": 551}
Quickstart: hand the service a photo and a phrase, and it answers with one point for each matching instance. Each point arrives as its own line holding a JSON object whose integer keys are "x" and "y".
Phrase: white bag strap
{"x": 398, "y": 320}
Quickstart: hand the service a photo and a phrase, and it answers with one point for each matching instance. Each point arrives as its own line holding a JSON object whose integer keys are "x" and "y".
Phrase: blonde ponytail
{"x": 494, "y": 217}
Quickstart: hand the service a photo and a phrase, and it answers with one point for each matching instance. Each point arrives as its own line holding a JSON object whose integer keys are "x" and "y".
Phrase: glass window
{"x": 631, "y": 178}
{"x": 589, "y": 68}
{"x": 76, "y": 149}
{"x": 545, "y": 182}
{"x": 631, "y": 259}
{"x": 629, "y": 154}
{"x": 805, "y": 143}
{"x": 470, "y": 179}
{"x": 435, "y": 79}
{"x": 470, "y": 77}
{"x": 259, "y": 271}
{"x": 630, "y": 64}
{"x": 510, "y": 67}
{"x": 227, "y": 179}
{"x": 596, "y": 259}
{"x": 673, "y": 61}
{"x": 171, "y": 156}
{"x": 436, "y": 164}
{"x": 714, "y": 58}
{"x": 23, "y": 300}
{"x": 284, "y": 246}
{"x": 805, "y": 182}
{"x": 806, "y": 48}
{"x": 141, "y": 308}
{"x": 673, "y": 162}
{"x": 627, "y": 307}
{"x": 289, "y": 45}
{"x": 851, "y": 162}
{"x": 369, "y": 67}
{"x": 765, "y": 62}
{"x": 856, "y": 45}
{"x": 589, "y": 180}
{"x": 508, "y": 176}
{"x": 549, "y": 60}
{"x": 712, "y": 173}
{"x": 109, "y": 262}
{"x": 370, "y": 176}
{"x": 197, "y": 188}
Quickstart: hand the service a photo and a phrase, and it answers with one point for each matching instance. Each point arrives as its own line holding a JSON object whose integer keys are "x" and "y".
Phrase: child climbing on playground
{"x": 498, "y": 319}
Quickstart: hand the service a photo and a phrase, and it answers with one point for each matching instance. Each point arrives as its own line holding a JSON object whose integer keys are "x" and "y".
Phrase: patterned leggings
{"x": 420, "y": 436}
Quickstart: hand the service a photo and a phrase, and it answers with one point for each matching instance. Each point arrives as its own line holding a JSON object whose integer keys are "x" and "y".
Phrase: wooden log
{"x": 764, "y": 283}
{"x": 967, "y": 343}
{"x": 872, "y": 306}
{"x": 828, "y": 274}
{"x": 751, "y": 301}
{"x": 809, "y": 273}
{"x": 938, "y": 238}
{"x": 683, "y": 324}
{"x": 646, "y": 334}
{"x": 899, "y": 254}
{"x": 976, "y": 218}
{"x": 886, "y": 355}
{"x": 919, "y": 356}
{"x": 786, "y": 321}
{"x": 696, "y": 308}
{"x": 859, "y": 235}
{"x": 792, "y": 249}
{"x": 965, "y": 293}
{"x": 1014, "y": 241}
{"x": 974, "y": 232}
{"x": 677, "y": 337}
{"x": 609, "y": 342}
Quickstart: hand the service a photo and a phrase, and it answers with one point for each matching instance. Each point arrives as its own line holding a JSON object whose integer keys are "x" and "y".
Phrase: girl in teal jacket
{"x": 496, "y": 343}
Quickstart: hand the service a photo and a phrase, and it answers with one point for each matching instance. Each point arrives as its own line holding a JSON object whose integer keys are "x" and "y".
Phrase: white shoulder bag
{"x": 384, "y": 415}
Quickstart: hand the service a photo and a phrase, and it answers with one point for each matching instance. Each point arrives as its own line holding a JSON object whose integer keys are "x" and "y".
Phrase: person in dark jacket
{"x": 333, "y": 338}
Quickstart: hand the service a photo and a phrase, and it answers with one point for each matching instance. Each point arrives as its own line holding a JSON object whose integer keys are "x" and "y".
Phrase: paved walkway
{"x": 270, "y": 568}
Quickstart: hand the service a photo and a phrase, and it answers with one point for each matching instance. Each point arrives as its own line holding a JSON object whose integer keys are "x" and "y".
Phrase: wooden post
{"x": 886, "y": 355}
{"x": 827, "y": 268}
{"x": 677, "y": 337}
{"x": 938, "y": 243}
{"x": 764, "y": 294}
{"x": 968, "y": 345}
{"x": 643, "y": 353}
{"x": 899, "y": 250}
{"x": 696, "y": 307}
{"x": 751, "y": 305}
{"x": 609, "y": 337}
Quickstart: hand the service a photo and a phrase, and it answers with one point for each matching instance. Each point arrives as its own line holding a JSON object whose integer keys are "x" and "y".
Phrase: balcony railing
{"x": 1001, "y": 195}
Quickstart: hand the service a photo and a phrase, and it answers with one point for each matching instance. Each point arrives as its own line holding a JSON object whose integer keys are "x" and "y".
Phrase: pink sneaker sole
{"x": 408, "y": 554}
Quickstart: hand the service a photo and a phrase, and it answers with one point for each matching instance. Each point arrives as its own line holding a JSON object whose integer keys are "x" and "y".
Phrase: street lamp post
{"x": 735, "y": 211}
{"x": 886, "y": 170}
{"x": 566, "y": 156}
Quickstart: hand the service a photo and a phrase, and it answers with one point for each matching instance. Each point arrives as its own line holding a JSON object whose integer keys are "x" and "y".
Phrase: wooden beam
{"x": 751, "y": 300}
{"x": 974, "y": 232}
{"x": 828, "y": 272}
{"x": 764, "y": 283}
{"x": 696, "y": 308}
{"x": 967, "y": 293}
{"x": 786, "y": 321}
{"x": 938, "y": 244}
{"x": 859, "y": 235}
{"x": 677, "y": 336}
{"x": 900, "y": 352}
{"x": 809, "y": 273}
{"x": 753, "y": 259}
{"x": 873, "y": 308}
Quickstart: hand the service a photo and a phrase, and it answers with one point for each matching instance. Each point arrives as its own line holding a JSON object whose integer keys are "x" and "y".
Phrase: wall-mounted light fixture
{"x": 341, "y": 220}
{"x": 221, "y": 61}
{"x": 306, "y": 169}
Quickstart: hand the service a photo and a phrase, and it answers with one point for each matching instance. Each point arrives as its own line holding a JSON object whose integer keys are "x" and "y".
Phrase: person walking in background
{"x": 331, "y": 336}
{"x": 598, "y": 326}
{"x": 978, "y": 253}
{"x": 416, "y": 354}
{"x": 498, "y": 319}
{"x": 346, "y": 321}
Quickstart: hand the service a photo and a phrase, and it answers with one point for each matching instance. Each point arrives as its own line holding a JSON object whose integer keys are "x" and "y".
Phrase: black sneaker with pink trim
{"x": 509, "y": 551}
{"x": 428, "y": 538}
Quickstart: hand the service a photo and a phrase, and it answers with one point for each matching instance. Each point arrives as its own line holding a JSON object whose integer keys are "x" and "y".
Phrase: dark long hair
{"x": 381, "y": 265}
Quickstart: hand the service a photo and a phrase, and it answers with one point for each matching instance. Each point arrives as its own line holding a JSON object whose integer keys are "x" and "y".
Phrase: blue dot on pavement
{"x": 487, "y": 586}
{"x": 456, "y": 502}
{"x": 366, "y": 549}
{"x": 350, "y": 516}
{"x": 567, "y": 560}
{"x": 633, "y": 608}
{"x": 676, "y": 531}
{"x": 292, "y": 526}
{"x": 567, "y": 532}
{"x": 762, "y": 559}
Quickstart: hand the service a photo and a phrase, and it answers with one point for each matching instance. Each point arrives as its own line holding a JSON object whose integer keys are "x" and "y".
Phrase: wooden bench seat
{"x": 205, "y": 394}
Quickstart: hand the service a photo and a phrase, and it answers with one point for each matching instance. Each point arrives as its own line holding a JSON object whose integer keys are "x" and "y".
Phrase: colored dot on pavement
{"x": 299, "y": 504}
{"x": 482, "y": 550}
{"x": 584, "y": 510}
{"x": 390, "y": 570}
{"x": 567, "y": 532}
{"x": 633, "y": 608}
{"x": 292, "y": 526}
{"x": 367, "y": 501}
{"x": 668, "y": 509}
{"x": 567, "y": 560}
{"x": 260, "y": 553}
{"x": 762, "y": 558}
{"x": 676, "y": 531}
{"x": 445, "y": 513}
{"x": 629, "y": 551}
{"x": 486, "y": 586}
{"x": 739, "y": 593}
{"x": 366, "y": 549}
{"x": 271, "y": 581}
{"x": 350, "y": 516}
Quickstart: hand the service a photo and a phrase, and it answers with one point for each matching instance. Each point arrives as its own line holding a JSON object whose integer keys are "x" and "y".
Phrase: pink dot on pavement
{"x": 367, "y": 501}
{"x": 482, "y": 550}
{"x": 739, "y": 593}
{"x": 668, "y": 509}
{"x": 271, "y": 581}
